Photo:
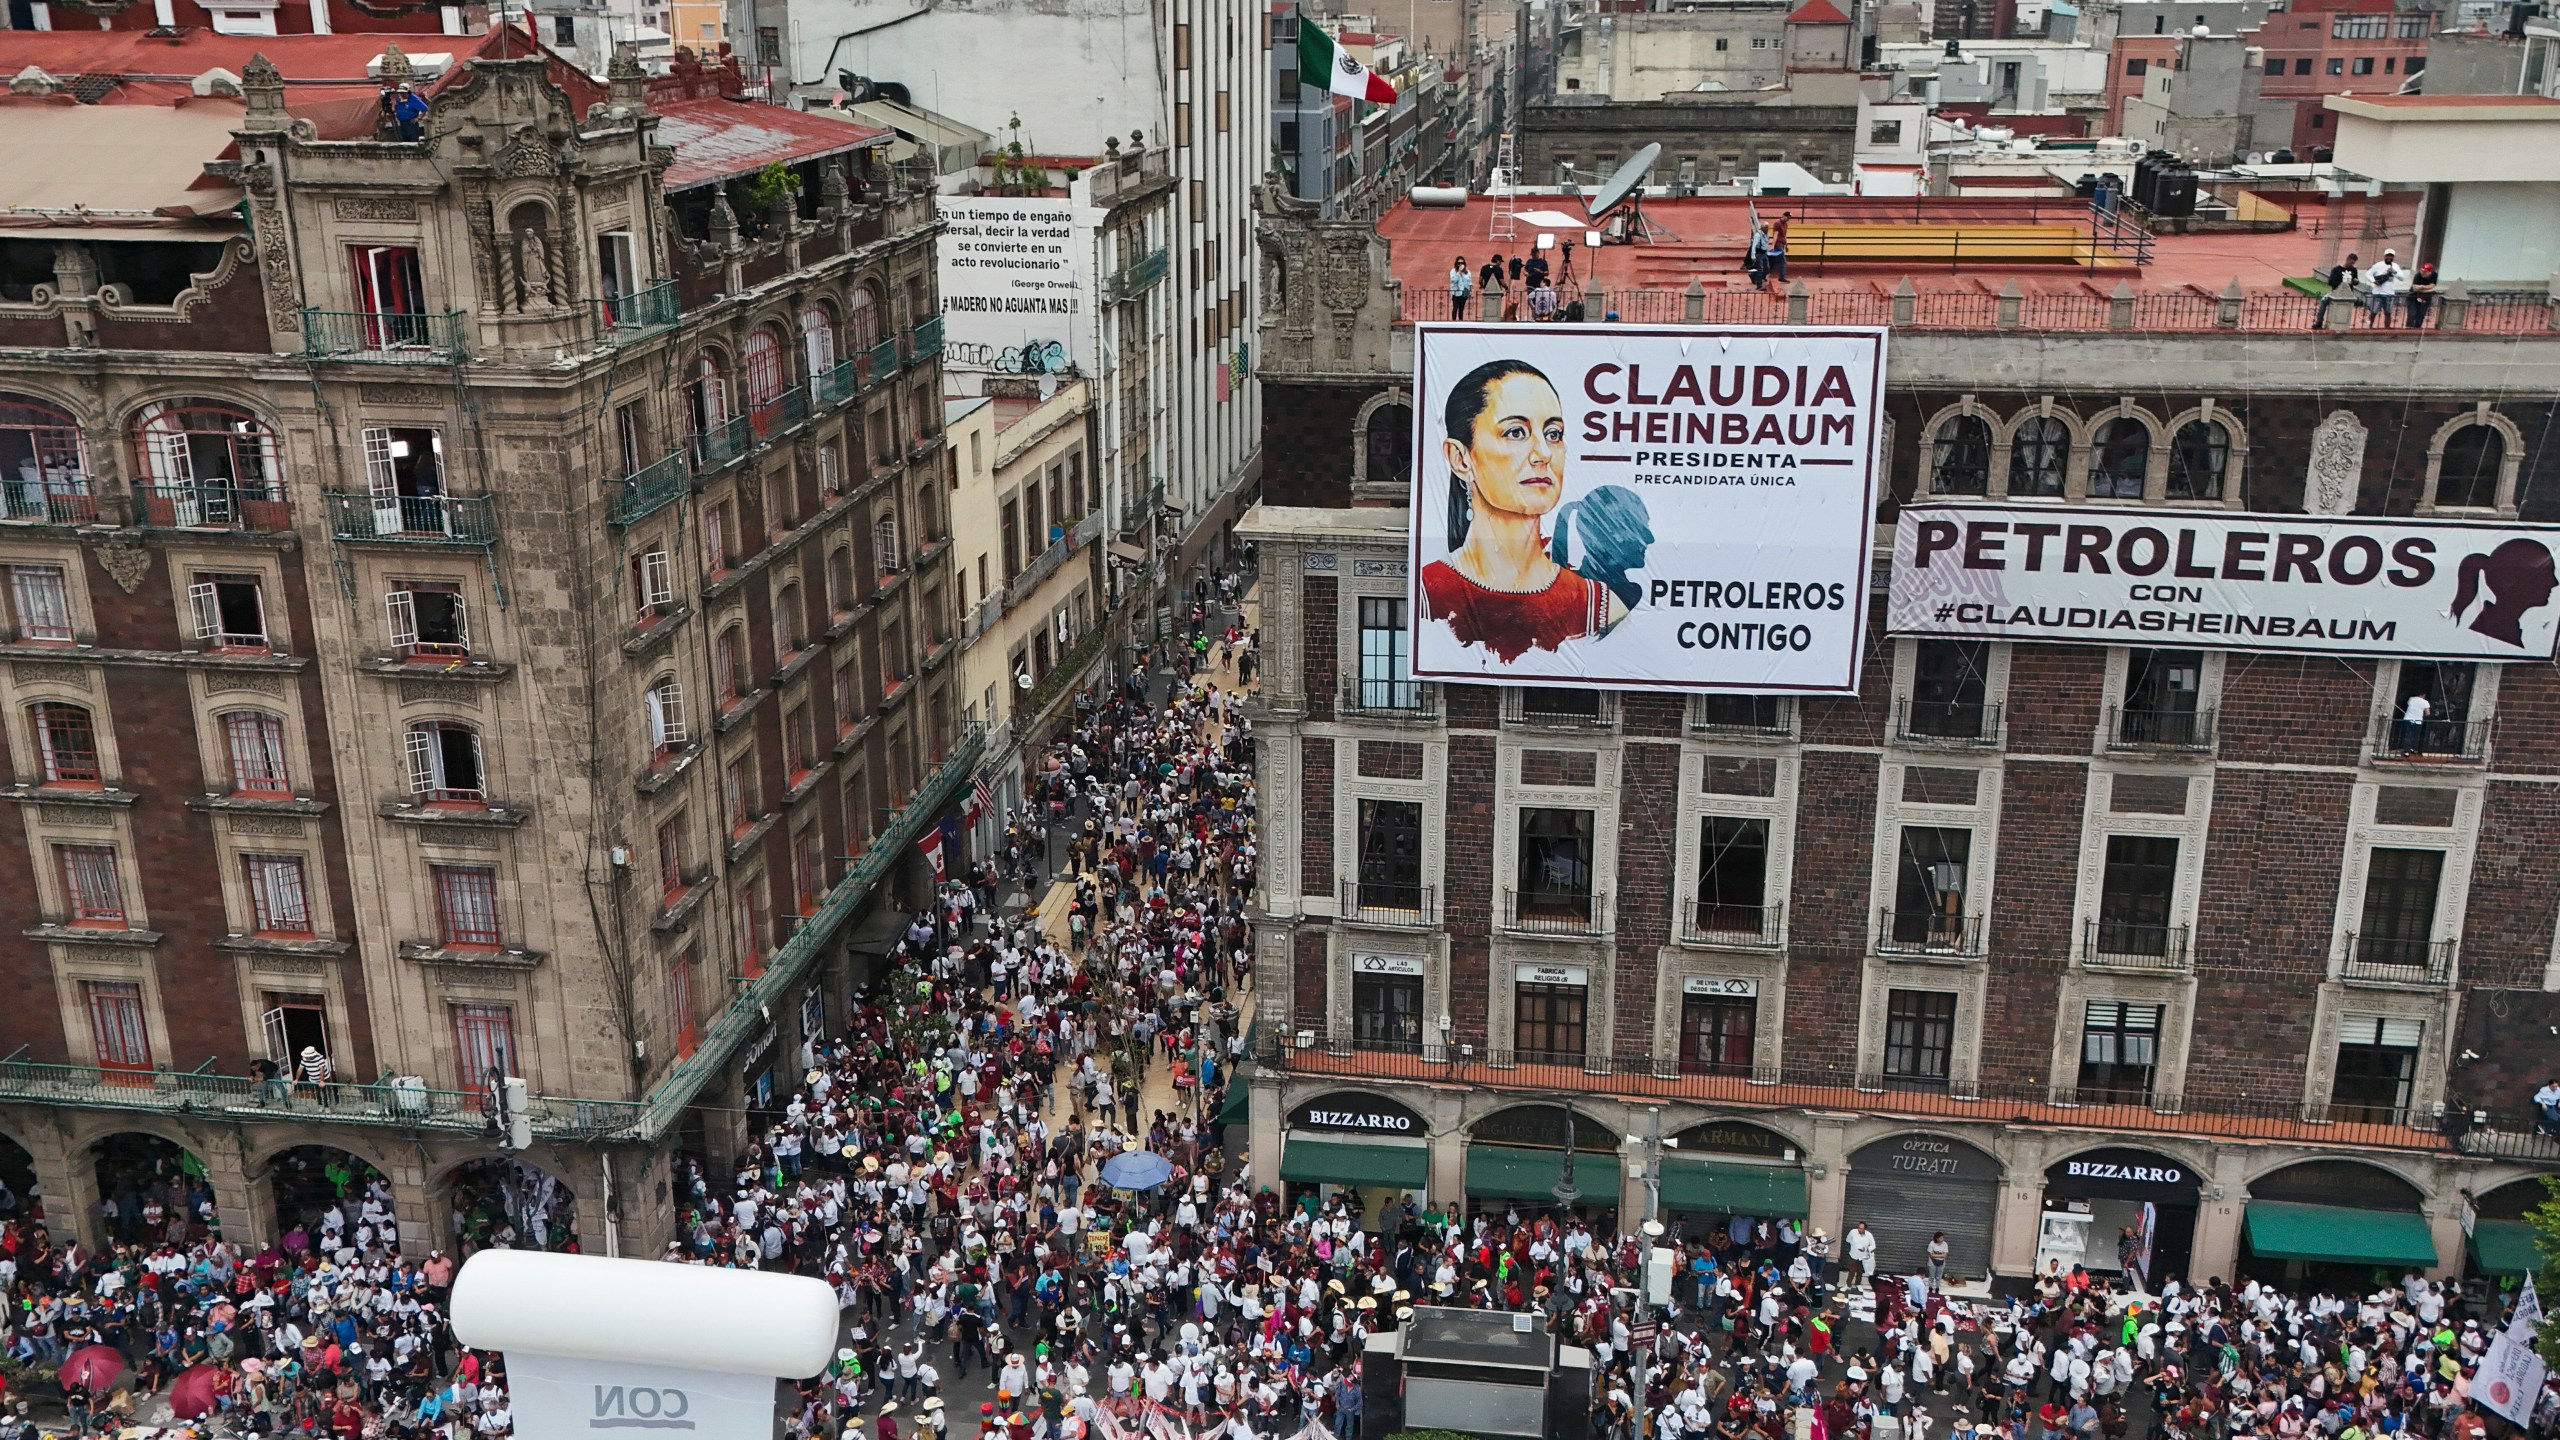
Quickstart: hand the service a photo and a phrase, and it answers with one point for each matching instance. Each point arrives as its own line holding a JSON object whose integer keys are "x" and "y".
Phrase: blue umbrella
{"x": 1136, "y": 1170}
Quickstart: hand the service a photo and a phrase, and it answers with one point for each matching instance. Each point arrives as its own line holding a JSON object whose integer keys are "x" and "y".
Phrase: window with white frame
{"x": 444, "y": 763}
{"x": 2377, "y": 1068}
{"x": 1386, "y": 668}
{"x": 662, "y": 706}
{"x": 92, "y": 885}
{"x": 279, "y": 902}
{"x": 2119, "y": 1051}
{"x": 653, "y": 585}
{"x": 66, "y": 744}
{"x": 253, "y": 743}
{"x": 428, "y": 620}
{"x": 40, "y": 604}
{"x": 118, "y": 1036}
{"x": 228, "y": 612}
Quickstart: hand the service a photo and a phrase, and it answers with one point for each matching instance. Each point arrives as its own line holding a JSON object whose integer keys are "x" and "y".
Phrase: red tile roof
{"x": 1817, "y": 12}
{"x": 720, "y": 139}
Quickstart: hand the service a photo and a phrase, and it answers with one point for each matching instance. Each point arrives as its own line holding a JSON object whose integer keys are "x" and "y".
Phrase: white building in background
{"x": 1082, "y": 78}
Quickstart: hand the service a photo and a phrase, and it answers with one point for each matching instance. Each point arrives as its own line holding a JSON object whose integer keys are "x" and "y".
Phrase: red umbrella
{"x": 192, "y": 1393}
{"x": 93, "y": 1367}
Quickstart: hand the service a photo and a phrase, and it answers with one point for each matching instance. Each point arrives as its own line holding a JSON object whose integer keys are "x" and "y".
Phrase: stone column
{"x": 2020, "y": 1215}
{"x": 1448, "y": 1151}
{"x": 1267, "y": 1116}
{"x": 2219, "y": 1206}
{"x": 1826, "y": 1173}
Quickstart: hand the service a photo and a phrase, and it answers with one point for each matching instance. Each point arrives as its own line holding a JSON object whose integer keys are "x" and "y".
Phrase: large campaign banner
{"x": 2223, "y": 580}
{"x": 1017, "y": 284}
{"x": 1644, "y": 508}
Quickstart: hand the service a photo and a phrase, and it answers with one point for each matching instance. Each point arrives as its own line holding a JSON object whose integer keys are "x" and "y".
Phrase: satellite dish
{"x": 1626, "y": 181}
{"x": 1022, "y": 679}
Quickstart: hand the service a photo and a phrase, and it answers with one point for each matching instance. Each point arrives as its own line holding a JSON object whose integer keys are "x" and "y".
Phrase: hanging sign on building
{"x": 1017, "y": 283}
{"x": 1644, "y": 509}
{"x": 2226, "y": 580}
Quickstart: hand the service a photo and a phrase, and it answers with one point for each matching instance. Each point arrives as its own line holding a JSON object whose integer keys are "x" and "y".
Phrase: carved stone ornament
{"x": 273, "y": 825}
{"x": 1342, "y": 277}
{"x": 125, "y": 559}
{"x": 375, "y": 207}
{"x": 525, "y": 157}
{"x": 2337, "y": 465}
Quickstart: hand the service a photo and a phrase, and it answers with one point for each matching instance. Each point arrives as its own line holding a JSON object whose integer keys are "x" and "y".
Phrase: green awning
{"x": 1711, "y": 1189}
{"x": 2505, "y": 1247}
{"x": 1503, "y": 1172}
{"x": 2284, "y": 1230}
{"x": 1237, "y": 1108}
{"x": 1354, "y": 1162}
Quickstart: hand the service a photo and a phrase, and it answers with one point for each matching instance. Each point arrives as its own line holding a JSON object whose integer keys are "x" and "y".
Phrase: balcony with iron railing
{"x": 1139, "y": 510}
{"x": 1559, "y": 709}
{"x": 634, "y": 313}
{"x": 1137, "y": 277}
{"x": 1749, "y": 927}
{"x": 649, "y": 489}
{"x": 723, "y": 443}
{"x": 2432, "y": 742}
{"x": 1376, "y": 699}
{"x": 1928, "y": 934}
{"x": 775, "y": 416}
{"x": 883, "y": 362}
{"x": 1742, "y": 717}
{"x": 1391, "y": 904}
{"x": 1946, "y": 722}
{"x": 404, "y": 1102}
{"x": 57, "y": 499}
{"x": 2133, "y": 945}
{"x": 2144, "y": 729}
{"x": 924, "y": 340}
{"x": 384, "y": 336}
{"x": 2392, "y": 960}
{"x": 1556, "y": 912}
{"x": 413, "y": 519}
{"x": 198, "y": 506}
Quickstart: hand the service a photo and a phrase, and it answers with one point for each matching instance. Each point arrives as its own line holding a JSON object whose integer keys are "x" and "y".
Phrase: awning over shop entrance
{"x": 1712, "y": 1189}
{"x": 2285, "y": 1230}
{"x": 1504, "y": 1172}
{"x": 1237, "y": 1108}
{"x": 1351, "y": 1162}
{"x": 2504, "y": 1247}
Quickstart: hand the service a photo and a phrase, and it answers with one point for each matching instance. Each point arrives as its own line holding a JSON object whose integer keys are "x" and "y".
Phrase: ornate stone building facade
{"x": 477, "y": 604}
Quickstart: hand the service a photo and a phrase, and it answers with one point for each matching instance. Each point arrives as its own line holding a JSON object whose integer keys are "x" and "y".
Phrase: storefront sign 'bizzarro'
{"x": 2226, "y": 580}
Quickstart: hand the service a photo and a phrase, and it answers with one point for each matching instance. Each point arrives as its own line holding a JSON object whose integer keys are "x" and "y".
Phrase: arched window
{"x": 817, "y": 343}
{"x": 44, "y": 474}
{"x": 253, "y": 742}
{"x": 1388, "y": 446}
{"x": 662, "y": 705}
{"x": 2473, "y": 458}
{"x": 2039, "y": 453}
{"x": 2199, "y": 458}
{"x": 706, "y": 393}
{"x": 790, "y": 623}
{"x": 2119, "y": 459}
{"x": 761, "y": 363}
{"x": 862, "y": 317}
{"x": 209, "y": 463}
{"x": 729, "y": 663}
{"x": 1960, "y": 459}
{"x": 884, "y": 545}
{"x": 444, "y": 763}
{"x": 840, "y": 594}
{"x": 66, "y": 744}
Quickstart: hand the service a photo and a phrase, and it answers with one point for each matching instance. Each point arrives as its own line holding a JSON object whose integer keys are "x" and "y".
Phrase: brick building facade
{"x": 1742, "y": 965}
{"x": 489, "y": 614}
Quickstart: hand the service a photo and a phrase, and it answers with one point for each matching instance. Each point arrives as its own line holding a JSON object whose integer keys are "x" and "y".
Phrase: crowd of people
{"x": 1008, "y": 1162}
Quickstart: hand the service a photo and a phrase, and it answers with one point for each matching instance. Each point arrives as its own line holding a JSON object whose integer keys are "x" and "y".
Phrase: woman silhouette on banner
{"x": 2518, "y": 577}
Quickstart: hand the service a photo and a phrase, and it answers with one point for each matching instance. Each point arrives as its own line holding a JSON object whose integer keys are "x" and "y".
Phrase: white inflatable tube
{"x": 645, "y": 1312}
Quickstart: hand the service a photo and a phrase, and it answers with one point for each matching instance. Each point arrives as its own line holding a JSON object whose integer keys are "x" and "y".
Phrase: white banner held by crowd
{"x": 1644, "y": 509}
{"x": 2509, "y": 1382}
{"x": 2225, "y": 580}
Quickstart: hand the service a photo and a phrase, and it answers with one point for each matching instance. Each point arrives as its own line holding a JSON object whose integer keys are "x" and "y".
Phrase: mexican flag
{"x": 1327, "y": 66}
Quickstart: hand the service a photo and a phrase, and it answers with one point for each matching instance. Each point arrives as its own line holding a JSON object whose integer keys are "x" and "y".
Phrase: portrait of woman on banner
{"x": 1505, "y": 584}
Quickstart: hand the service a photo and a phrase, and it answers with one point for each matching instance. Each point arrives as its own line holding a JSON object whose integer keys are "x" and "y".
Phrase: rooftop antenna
{"x": 1626, "y": 187}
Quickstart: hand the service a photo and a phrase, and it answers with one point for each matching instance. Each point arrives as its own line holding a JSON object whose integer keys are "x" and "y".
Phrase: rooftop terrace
{"x": 1956, "y": 263}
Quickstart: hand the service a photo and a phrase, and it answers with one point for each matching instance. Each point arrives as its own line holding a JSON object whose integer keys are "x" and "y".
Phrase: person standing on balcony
{"x": 1489, "y": 280}
{"x": 2421, "y": 297}
{"x": 2413, "y": 720}
{"x": 1462, "y": 283}
{"x": 2382, "y": 289}
{"x": 2345, "y": 278}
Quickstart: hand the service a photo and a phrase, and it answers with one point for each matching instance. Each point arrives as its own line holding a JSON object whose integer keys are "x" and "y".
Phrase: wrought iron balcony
{"x": 1556, "y": 912}
{"x": 214, "y": 507}
{"x": 56, "y": 499}
{"x": 404, "y": 1102}
{"x": 391, "y": 337}
{"x": 883, "y": 360}
{"x": 723, "y": 443}
{"x": 924, "y": 340}
{"x": 2432, "y": 742}
{"x": 2391, "y": 960}
{"x": 1946, "y": 722}
{"x": 651, "y": 307}
{"x": 1928, "y": 933}
{"x": 648, "y": 489}
{"x": 773, "y": 417}
{"x": 1389, "y": 903}
{"x": 1742, "y": 717}
{"x": 413, "y": 519}
{"x": 1706, "y": 922}
{"x": 2133, "y": 945}
{"x": 1390, "y": 699}
{"x": 2129, "y": 729}
{"x": 1559, "y": 708}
